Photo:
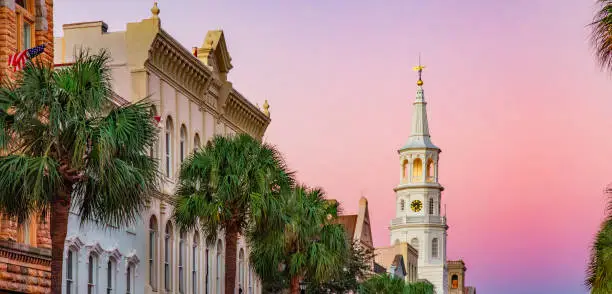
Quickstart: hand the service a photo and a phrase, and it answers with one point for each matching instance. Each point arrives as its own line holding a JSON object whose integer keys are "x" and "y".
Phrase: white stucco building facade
{"x": 418, "y": 220}
{"x": 193, "y": 101}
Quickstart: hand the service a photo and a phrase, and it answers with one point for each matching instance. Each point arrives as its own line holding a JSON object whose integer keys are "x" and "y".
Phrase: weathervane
{"x": 419, "y": 68}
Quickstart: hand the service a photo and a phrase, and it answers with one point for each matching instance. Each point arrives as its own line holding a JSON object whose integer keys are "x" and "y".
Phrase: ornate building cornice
{"x": 24, "y": 253}
{"x": 245, "y": 116}
{"x": 169, "y": 58}
{"x": 178, "y": 67}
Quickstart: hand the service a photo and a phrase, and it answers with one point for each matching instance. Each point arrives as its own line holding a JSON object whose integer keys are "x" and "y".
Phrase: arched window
{"x": 152, "y": 251}
{"x": 430, "y": 171}
{"x": 110, "y": 275}
{"x": 434, "y": 248}
{"x": 169, "y": 132}
{"x": 196, "y": 142}
{"x": 168, "y": 257}
{"x": 454, "y": 282}
{"x": 71, "y": 271}
{"x": 219, "y": 271}
{"x": 415, "y": 243}
{"x": 194, "y": 262}
{"x": 129, "y": 278}
{"x": 405, "y": 170}
{"x": 181, "y": 262}
{"x": 92, "y": 273}
{"x": 241, "y": 271}
{"x": 431, "y": 206}
{"x": 402, "y": 205}
{"x": 417, "y": 170}
{"x": 183, "y": 145}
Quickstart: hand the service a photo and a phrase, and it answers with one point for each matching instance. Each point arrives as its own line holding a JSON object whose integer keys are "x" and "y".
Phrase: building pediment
{"x": 215, "y": 52}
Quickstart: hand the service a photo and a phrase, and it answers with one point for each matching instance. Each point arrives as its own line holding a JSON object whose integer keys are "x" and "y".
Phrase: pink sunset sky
{"x": 515, "y": 100}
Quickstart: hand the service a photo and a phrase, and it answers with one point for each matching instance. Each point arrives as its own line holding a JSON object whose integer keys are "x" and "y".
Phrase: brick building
{"x": 25, "y": 255}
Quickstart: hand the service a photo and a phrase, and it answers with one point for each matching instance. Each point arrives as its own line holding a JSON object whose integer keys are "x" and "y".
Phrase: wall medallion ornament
{"x": 416, "y": 205}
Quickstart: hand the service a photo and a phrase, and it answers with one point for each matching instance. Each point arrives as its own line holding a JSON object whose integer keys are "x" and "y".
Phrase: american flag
{"x": 18, "y": 61}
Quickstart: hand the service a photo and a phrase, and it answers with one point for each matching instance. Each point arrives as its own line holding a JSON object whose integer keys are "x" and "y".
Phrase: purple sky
{"x": 516, "y": 102}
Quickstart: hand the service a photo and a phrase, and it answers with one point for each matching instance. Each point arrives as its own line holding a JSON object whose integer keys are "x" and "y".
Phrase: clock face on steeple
{"x": 416, "y": 205}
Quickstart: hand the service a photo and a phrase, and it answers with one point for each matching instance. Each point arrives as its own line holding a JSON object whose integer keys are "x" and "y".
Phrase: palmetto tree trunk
{"x": 59, "y": 226}
{"x": 231, "y": 246}
{"x": 295, "y": 285}
{"x": 60, "y": 208}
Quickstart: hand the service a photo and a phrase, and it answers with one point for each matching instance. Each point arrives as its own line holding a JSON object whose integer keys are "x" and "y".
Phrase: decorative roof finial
{"x": 155, "y": 10}
{"x": 266, "y": 108}
{"x": 419, "y": 68}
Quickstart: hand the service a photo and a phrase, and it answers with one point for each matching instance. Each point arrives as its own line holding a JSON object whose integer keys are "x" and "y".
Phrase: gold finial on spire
{"x": 266, "y": 108}
{"x": 155, "y": 10}
{"x": 419, "y": 68}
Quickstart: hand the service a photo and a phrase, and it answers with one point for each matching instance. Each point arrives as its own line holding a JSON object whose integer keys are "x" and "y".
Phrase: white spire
{"x": 419, "y": 135}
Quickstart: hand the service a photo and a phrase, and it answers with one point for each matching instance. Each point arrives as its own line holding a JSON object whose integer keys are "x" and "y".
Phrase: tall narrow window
{"x": 405, "y": 170}
{"x": 431, "y": 206}
{"x": 152, "y": 152}
{"x": 415, "y": 244}
{"x": 169, "y": 131}
{"x": 129, "y": 279}
{"x": 23, "y": 233}
{"x": 402, "y": 204}
{"x": 92, "y": 274}
{"x": 25, "y": 23}
{"x": 183, "y": 147}
{"x": 181, "y": 262}
{"x": 194, "y": 262}
{"x": 241, "y": 272}
{"x": 455, "y": 282}
{"x": 196, "y": 142}
{"x": 417, "y": 170}
{"x": 70, "y": 272}
{"x": 250, "y": 281}
{"x": 110, "y": 268}
{"x": 434, "y": 248}
{"x": 152, "y": 252}
{"x": 208, "y": 270}
{"x": 219, "y": 267}
{"x": 167, "y": 257}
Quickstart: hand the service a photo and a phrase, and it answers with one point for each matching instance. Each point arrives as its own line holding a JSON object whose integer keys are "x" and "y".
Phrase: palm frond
{"x": 28, "y": 184}
{"x": 601, "y": 34}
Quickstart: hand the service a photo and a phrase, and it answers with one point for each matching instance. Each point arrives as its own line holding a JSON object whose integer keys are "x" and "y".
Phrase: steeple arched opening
{"x": 417, "y": 170}
{"x": 430, "y": 171}
{"x": 405, "y": 170}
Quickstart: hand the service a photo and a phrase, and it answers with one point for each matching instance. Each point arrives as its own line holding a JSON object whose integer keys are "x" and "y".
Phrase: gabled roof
{"x": 357, "y": 226}
{"x": 215, "y": 41}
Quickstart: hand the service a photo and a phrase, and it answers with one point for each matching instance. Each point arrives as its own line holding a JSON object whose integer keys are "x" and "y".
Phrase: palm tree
{"x": 67, "y": 146}
{"x": 601, "y": 34}
{"x": 599, "y": 271}
{"x": 301, "y": 240}
{"x": 219, "y": 184}
{"x": 383, "y": 284}
{"x": 420, "y": 287}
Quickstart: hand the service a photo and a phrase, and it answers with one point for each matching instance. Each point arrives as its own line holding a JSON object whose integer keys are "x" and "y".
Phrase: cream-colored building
{"x": 387, "y": 257}
{"x": 194, "y": 101}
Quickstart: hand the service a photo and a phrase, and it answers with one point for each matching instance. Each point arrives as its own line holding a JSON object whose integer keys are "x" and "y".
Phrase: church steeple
{"x": 419, "y": 135}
